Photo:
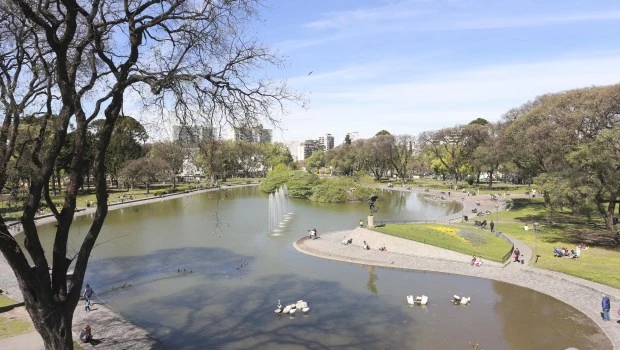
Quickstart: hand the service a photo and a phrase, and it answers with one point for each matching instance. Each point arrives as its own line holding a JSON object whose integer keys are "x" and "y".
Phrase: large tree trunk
{"x": 609, "y": 214}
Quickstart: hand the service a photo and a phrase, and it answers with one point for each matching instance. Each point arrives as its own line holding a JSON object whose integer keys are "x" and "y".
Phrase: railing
{"x": 384, "y": 222}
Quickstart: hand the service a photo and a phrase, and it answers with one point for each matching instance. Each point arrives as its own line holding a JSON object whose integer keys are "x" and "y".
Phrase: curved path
{"x": 406, "y": 254}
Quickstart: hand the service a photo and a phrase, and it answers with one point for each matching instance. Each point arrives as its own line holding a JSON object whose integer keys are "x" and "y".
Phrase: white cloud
{"x": 441, "y": 100}
{"x": 346, "y": 18}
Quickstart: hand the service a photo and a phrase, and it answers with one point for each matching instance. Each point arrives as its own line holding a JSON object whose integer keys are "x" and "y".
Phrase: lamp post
{"x": 462, "y": 208}
{"x": 496, "y": 216}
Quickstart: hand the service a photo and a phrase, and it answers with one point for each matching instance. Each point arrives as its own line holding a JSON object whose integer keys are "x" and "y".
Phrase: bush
{"x": 300, "y": 184}
{"x": 159, "y": 193}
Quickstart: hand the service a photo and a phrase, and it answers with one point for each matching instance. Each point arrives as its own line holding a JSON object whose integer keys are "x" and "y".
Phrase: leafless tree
{"x": 70, "y": 62}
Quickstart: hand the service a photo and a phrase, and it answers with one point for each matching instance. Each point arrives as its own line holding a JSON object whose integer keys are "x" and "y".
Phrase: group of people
{"x": 517, "y": 256}
{"x": 86, "y": 335}
{"x": 476, "y": 261}
{"x": 565, "y": 252}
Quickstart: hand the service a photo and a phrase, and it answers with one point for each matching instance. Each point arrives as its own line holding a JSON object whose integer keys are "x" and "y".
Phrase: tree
{"x": 247, "y": 157}
{"x": 342, "y": 159}
{"x": 401, "y": 155}
{"x": 454, "y": 147}
{"x": 377, "y": 155}
{"x": 146, "y": 170}
{"x": 554, "y": 139}
{"x": 276, "y": 153}
{"x": 72, "y": 62}
{"x": 315, "y": 161}
{"x": 597, "y": 165}
{"x": 126, "y": 143}
{"x": 214, "y": 157}
{"x": 173, "y": 154}
{"x": 488, "y": 156}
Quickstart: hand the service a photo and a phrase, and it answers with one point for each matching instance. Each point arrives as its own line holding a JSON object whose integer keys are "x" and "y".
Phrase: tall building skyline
{"x": 251, "y": 133}
{"x": 327, "y": 141}
{"x": 192, "y": 135}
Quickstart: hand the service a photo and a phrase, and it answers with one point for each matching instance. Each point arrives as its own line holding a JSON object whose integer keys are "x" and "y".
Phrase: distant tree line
{"x": 567, "y": 143}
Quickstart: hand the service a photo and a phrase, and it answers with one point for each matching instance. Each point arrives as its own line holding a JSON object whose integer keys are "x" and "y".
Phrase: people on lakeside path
{"x": 606, "y": 306}
{"x": 366, "y": 246}
{"x": 473, "y": 260}
{"x": 86, "y": 335}
{"x": 517, "y": 254}
{"x": 492, "y": 225}
{"x": 88, "y": 292}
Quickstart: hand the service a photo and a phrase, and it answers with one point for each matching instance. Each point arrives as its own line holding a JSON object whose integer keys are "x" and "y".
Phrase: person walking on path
{"x": 606, "y": 305}
{"x": 492, "y": 224}
{"x": 517, "y": 255}
{"x": 88, "y": 293}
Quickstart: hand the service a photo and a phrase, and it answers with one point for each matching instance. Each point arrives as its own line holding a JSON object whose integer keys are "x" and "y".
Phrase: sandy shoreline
{"x": 409, "y": 255}
{"x": 109, "y": 327}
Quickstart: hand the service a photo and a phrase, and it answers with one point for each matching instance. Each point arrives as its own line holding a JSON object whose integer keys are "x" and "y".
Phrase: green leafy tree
{"x": 315, "y": 162}
{"x": 275, "y": 154}
{"x": 342, "y": 159}
{"x": 598, "y": 165}
{"x": 401, "y": 155}
{"x": 125, "y": 144}
{"x": 377, "y": 151}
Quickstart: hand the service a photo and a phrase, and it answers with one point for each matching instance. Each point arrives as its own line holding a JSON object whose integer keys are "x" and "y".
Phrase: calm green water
{"x": 239, "y": 270}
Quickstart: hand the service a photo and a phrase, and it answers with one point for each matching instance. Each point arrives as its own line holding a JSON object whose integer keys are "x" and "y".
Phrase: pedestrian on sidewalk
{"x": 492, "y": 225}
{"x": 606, "y": 305}
{"x": 88, "y": 294}
{"x": 517, "y": 254}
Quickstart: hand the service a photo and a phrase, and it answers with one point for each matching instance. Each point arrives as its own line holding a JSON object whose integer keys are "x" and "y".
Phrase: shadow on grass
{"x": 10, "y": 307}
{"x": 607, "y": 239}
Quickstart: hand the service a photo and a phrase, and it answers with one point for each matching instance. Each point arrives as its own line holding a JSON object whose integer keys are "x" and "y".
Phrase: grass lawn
{"x": 599, "y": 263}
{"x": 15, "y": 326}
{"x": 458, "y": 238}
{"x": 11, "y": 326}
{"x": 596, "y": 264}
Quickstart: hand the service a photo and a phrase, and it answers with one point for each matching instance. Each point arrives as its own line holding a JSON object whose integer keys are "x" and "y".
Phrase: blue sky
{"x": 418, "y": 65}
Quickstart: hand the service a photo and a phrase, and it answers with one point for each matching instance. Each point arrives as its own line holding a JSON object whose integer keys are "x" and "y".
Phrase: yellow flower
{"x": 449, "y": 231}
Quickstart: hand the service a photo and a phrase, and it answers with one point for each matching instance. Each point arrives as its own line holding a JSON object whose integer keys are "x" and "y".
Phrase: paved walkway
{"x": 405, "y": 254}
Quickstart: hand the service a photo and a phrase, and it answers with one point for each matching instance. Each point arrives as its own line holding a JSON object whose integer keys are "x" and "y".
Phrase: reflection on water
{"x": 372, "y": 278}
{"x": 203, "y": 272}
